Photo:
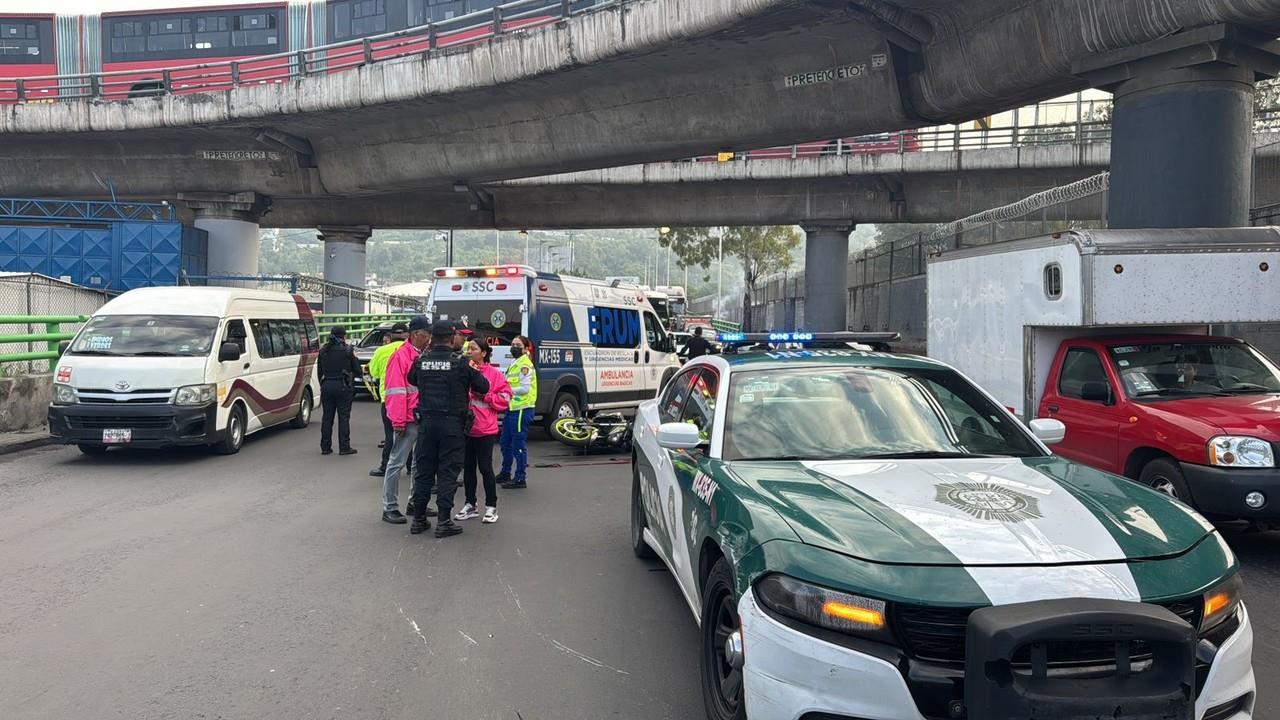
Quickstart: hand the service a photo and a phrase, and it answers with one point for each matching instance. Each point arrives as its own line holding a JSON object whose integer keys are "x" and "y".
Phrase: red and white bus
{"x": 27, "y": 50}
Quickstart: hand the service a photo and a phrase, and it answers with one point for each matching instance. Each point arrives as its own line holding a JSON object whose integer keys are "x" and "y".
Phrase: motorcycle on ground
{"x": 605, "y": 431}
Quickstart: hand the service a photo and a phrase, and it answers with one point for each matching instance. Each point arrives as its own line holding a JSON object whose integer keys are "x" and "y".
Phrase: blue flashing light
{"x": 733, "y": 337}
{"x": 791, "y": 337}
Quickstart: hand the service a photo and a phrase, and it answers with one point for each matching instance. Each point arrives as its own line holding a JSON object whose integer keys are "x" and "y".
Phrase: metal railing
{"x": 51, "y": 336}
{"x": 41, "y": 209}
{"x": 469, "y": 29}
{"x": 358, "y": 323}
{"x": 952, "y": 139}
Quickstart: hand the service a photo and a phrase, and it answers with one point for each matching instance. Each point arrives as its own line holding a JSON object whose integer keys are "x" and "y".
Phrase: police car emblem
{"x": 556, "y": 323}
{"x": 989, "y": 502}
{"x": 498, "y": 318}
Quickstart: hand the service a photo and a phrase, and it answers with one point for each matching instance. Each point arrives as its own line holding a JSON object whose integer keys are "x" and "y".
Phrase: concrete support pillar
{"x": 344, "y": 263}
{"x": 826, "y": 281}
{"x": 231, "y": 219}
{"x": 1182, "y": 149}
{"x": 1182, "y": 126}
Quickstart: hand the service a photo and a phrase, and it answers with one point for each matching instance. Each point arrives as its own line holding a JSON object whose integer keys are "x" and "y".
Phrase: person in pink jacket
{"x": 401, "y": 401}
{"x": 484, "y": 433}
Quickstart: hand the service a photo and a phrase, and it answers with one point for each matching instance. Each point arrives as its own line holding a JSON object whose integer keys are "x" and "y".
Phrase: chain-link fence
{"x": 26, "y": 295}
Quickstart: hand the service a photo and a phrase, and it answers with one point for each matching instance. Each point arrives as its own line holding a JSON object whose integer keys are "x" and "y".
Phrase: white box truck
{"x": 1110, "y": 332}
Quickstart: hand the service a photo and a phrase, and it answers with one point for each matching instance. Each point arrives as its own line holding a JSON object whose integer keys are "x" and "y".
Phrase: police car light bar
{"x": 809, "y": 338}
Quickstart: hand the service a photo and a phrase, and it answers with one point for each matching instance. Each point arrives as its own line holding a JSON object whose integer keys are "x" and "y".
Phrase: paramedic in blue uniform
{"x": 444, "y": 378}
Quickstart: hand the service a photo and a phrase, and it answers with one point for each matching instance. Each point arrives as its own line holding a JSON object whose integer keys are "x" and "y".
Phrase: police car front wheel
{"x": 722, "y": 676}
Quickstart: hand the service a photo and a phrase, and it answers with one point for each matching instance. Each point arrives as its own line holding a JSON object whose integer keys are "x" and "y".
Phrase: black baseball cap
{"x": 419, "y": 322}
{"x": 338, "y": 331}
{"x": 444, "y": 328}
{"x": 399, "y": 328}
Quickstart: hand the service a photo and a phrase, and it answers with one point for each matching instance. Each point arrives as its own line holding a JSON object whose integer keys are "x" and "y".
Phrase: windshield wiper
{"x": 766, "y": 458}
{"x": 106, "y": 353}
{"x": 155, "y": 353}
{"x": 927, "y": 455}
{"x": 1182, "y": 391}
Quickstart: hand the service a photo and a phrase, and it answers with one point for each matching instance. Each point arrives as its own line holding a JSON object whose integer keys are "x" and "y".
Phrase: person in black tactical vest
{"x": 338, "y": 369}
{"x": 444, "y": 378}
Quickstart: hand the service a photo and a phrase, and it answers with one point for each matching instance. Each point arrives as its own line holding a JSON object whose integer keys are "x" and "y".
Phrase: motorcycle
{"x": 605, "y": 431}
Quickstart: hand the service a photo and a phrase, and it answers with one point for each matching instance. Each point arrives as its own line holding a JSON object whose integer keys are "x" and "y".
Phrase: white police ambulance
{"x": 597, "y": 345}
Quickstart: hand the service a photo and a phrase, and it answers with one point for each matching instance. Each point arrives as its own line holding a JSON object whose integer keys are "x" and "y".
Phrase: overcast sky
{"x": 73, "y": 7}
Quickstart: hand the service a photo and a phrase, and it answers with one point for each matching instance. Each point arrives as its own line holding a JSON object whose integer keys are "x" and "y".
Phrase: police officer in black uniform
{"x": 444, "y": 377}
{"x": 338, "y": 370}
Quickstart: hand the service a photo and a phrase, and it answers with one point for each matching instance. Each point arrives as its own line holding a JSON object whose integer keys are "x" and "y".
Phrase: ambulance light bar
{"x": 478, "y": 272}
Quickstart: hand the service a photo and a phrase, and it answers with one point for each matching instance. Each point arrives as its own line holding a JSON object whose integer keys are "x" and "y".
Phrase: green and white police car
{"x": 864, "y": 535}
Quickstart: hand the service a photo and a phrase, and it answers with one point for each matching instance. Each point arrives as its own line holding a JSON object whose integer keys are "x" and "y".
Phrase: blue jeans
{"x": 515, "y": 435}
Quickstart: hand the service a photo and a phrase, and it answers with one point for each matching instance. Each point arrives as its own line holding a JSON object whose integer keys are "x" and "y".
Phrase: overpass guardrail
{"x": 52, "y": 335}
{"x": 469, "y": 29}
{"x": 357, "y": 323}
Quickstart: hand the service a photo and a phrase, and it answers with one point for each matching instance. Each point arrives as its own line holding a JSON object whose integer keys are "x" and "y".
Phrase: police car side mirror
{"x": 63, "y": 346}
{"x": 1048, "y": 430}
{"x": 679, "y": 436}
{"x": 228, "y": 351}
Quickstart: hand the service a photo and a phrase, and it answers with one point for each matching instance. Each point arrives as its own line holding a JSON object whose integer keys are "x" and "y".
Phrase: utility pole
{"x": 497, "y": 247}
{"x": 720, "y": 278}
{"x": 525, "y": 233}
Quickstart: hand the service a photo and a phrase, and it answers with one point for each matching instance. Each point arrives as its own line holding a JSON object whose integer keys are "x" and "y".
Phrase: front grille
{"x": 102, "y": 396}
{"x": 938, "y": 635}
{"x": 102, "y": 422}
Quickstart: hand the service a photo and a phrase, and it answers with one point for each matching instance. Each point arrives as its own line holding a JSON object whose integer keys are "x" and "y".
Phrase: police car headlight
{"x": 1221, "y": 604}
{"x": 824, "y": 607}
{"x": 1234, "y": 451}
{"x": 63, "y": 394}
{"x": 195, "y": 394}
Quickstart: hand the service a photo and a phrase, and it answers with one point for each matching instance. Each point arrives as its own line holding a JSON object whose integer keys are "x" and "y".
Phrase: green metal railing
{"x": 52, "y": 335}
{"x": 726, "y": 326}
{"x": 357, "y": 323}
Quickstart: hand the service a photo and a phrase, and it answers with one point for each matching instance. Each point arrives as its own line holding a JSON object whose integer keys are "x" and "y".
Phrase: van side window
{"x": 285, "y": 337}
{"x": 235, "y": 333}
{"x": 1080, "y": 366}
{"x": 262, "y": 337}
{"x": 656, "y": 335}
{"x": 312, "y": 334}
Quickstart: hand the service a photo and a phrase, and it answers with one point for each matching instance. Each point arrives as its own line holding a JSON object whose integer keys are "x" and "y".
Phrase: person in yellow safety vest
{"x": 523, "y": 378}
{"x": 378, "y": 371}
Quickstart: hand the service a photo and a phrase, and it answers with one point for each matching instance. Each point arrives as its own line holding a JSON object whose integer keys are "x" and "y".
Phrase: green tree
{"x": 761, "y": 250}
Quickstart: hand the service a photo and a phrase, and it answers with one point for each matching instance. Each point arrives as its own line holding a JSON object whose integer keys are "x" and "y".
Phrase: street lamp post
{"x": 720, "y": 276}
{"x": 525, "y": 233}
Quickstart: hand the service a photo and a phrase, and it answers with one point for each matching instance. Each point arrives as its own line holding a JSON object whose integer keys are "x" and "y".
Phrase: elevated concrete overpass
{"x": 646, "y": 80}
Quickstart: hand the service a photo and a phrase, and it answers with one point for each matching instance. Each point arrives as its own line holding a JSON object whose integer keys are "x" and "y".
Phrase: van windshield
{"x": 146, "y": 335}
{"x": 1161, "y": 370}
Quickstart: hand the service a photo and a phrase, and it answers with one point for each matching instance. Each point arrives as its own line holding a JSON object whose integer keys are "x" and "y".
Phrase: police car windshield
{"x": 151, "y": 335}
{"x": 866, "y": 413}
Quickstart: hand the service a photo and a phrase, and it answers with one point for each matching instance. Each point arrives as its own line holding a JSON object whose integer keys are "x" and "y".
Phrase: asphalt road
{"x": 263, "y": 585}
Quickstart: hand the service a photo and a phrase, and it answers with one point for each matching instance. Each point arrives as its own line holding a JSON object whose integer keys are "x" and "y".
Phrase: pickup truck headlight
{"x": 63, "y": 394}
{"x": 825, "y": 608}
{"x": 1221, "y": 603}
{"x": 1236, "y": 451}
{"x": 195, "y": 394}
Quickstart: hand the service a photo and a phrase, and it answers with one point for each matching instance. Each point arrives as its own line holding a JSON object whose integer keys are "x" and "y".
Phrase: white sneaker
{"x": 468, "y": 512}
{"x": 490, "y": 514}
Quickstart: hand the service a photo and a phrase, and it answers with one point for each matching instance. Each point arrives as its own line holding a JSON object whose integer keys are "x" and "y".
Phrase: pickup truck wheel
{"x": 1164, "y": 475}
{"x": 722, "y": 676}
{"x": 638, "y": 520}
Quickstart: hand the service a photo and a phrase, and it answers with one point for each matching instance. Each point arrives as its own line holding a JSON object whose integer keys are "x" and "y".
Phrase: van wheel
{"x": 234, "y": 437}
{"x": 722, "y": 677}
{"x": 93, "y": 449}
{"x": 565, "y": 406}
{"x": 638, "y": 520}
{"x": 303, "y": 418}
{"x": 1164, "y": 475}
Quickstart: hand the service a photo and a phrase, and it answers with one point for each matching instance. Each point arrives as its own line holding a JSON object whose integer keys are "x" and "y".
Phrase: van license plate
{"x": 116, "y": 437}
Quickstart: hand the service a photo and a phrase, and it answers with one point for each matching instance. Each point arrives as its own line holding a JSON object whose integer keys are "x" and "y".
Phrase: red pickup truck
{"x": 1194, "y": 416}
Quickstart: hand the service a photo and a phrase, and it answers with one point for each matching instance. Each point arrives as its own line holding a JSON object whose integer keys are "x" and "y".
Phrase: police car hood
{"x": 974, "y": 512}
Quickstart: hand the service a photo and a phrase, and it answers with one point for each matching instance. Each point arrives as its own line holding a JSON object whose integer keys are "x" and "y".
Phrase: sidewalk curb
{"x": 27, "y": 444}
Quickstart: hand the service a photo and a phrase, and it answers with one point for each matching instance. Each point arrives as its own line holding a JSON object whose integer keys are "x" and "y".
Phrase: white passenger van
{"x": 186, "y": 366}
{"x": 597, "y": 345}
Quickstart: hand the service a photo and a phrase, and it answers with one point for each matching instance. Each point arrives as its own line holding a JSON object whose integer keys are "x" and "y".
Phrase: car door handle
{"x": 246, "y": 366}
{"x": 646, "y": 356}
{"x": 636, "y": 359}
{"x": 1053, "y": 408}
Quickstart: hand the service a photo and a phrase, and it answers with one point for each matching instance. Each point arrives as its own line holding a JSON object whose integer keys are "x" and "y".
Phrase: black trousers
{"x": 440, "y": 451}
{"x": 479, "y": 456}
{"x": 388, "y": 436}
{"x": 335, "y": 398}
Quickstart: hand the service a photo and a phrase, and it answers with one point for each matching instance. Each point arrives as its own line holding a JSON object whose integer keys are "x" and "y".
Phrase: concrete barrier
{"x": 24, "y": 401}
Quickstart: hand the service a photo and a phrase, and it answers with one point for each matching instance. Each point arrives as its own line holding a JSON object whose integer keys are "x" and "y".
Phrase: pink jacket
{"x": 401, "y": 397}
{"x": 487, "y": 407}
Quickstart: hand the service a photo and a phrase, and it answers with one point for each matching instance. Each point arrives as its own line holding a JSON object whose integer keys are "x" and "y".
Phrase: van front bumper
{"x": 150, "y": 426}
{"x": 1221, "y": 490}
